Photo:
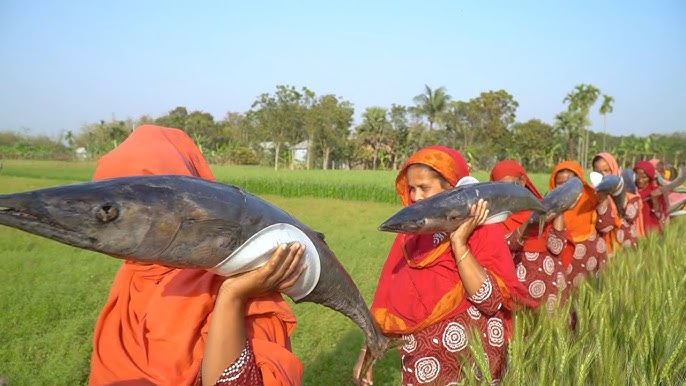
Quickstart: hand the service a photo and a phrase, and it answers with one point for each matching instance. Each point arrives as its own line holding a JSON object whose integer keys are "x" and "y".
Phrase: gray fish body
{"x": 177, "y": 221}
{"x": 629, "y": 178}
{"x": 559, "y": 199}
{"x": 446, "y": 211}
{"x": 614, "y": 186}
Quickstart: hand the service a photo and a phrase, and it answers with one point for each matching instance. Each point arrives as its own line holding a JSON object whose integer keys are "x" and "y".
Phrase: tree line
{"x": 483, "y": 128}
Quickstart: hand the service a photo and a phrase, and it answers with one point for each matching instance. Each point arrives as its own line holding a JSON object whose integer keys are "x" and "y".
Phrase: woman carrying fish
{"x": 537, "y": 258}
{"x": 586, "y": 222}
{"x": 629, "y": 227}
{"x": 167, "y": 326}
{"x": 434, "y": 289}
{"x": 654, "y": 209}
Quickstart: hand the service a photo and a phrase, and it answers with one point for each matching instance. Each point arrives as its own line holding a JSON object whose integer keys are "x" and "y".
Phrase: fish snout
{"x": 107, "y": 213}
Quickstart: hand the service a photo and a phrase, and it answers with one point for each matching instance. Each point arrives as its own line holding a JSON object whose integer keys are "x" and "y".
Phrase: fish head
{"x": 438, "y": 213}
{"x": 140, "y": 218}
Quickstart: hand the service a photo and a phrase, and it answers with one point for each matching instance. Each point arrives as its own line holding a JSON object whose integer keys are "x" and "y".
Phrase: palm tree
{"x": 605, "y": 109}
{"x": 431, "y": 104}
{"x": 580, "y": 100}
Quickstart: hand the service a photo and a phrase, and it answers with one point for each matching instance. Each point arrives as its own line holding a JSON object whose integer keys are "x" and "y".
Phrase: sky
{"x": 64, "y": 64}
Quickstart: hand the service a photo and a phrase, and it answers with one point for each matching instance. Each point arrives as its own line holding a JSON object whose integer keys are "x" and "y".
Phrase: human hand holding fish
{"x": 478, "y": 213}
{"x": 277, "y": 275}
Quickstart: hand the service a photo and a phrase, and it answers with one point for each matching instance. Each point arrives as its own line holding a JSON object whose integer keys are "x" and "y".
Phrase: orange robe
{"x": 153, "y": 326}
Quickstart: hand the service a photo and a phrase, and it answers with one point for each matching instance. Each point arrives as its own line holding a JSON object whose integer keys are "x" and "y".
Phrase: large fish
{"x": 557, "y": 201}
{"x": 446, "y": 211}
{"x": 614, "y": 187}
{"x": 185, "y": 222}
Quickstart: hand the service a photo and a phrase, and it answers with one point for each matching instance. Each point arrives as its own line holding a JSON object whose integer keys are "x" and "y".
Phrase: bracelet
{"x": 463, "y": 256}
{"x": 521, "y": 236}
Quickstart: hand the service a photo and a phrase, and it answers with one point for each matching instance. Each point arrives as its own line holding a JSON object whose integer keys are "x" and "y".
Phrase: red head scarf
{"x": 154, "y": 324}
{"x": 420, "y": 283}
{"x": 650, "y": 221}
{"x": 579, "y": 220}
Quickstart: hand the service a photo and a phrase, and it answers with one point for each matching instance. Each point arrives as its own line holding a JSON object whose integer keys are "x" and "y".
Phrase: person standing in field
{"x": 434, "y": 289}
{"x": 654, "y": 209}
{"x": 538, "y": 259}
{"x": 630, "y": 227}
{"x": 586, "y": 221}
{"x": 168, "y": 326}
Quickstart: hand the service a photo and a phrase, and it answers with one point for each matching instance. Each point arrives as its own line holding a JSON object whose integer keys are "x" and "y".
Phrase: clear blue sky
{"x": 67, "y": 63}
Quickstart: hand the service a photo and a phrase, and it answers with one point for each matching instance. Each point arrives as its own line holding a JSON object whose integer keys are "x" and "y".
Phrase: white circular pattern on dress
{"x": 632, "y": 231}
{"x": 473, "y": 312}
{"x": 531, "y": 256}
{"x": 537, "y": 288}
{"x": 496, "y": 332}
{"x": 521, "y": 273}
{"x": 427, "y": 369}
{"x": 555, "y": 245}
{"x": 578, "y": 279}
{"x": 631, "y": 210}
{"x": 411, "y": 344}
{"x": 454, "y": 337}
{"x": 579, "y": 251}
{"x": 561, "y": 281}
{"x": 569, "y": 270}
{"x": 591, "y": 263}
{"x": 620, "y": 235}
{"x": 483, "y": 293}
{"x": 593, "y": 236}
{"x": 549, "y": 265}
{"x": 551, "y": 303}
{"x": 601, "y": 246}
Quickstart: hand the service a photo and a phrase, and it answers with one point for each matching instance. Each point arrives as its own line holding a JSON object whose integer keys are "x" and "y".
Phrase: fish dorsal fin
{"x": 498, "y": 217}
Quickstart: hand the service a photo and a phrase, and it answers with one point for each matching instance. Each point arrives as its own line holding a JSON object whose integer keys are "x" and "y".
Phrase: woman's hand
{"x": 478, "y": 214}
{"x": 367, "y": 378}
{"x": 226, "y": 337}
{"x": 277, "y": 275}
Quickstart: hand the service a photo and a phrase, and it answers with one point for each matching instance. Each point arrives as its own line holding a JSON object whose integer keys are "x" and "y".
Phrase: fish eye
{"x": 107, "y": 213}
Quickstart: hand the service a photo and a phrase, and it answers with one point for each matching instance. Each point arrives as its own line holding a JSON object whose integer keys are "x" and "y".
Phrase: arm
{"x": 472, "y": 273}
{"x": 225, "y": 345}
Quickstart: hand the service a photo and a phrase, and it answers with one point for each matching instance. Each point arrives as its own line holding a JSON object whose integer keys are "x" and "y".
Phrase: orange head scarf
{"x": 154, "y": 324}
{"x": 579, "y": 220}
{"x": 420, "y": 283}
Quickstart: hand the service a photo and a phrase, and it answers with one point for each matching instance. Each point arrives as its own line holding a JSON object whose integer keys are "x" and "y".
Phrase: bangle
{"x": 521, "y": 236}
{"x": 463, "y": 256}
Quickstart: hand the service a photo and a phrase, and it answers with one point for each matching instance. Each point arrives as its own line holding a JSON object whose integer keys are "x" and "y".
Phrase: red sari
{"x": 537, "y": 259}
{"x": 420, "y": 294}
{"x": 652, "y": 218}
{"x": 626, "y": 230}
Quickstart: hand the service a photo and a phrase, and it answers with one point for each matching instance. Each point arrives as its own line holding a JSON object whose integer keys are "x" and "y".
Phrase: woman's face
{"x": 562, "y": 176}
{"x": 642, "y": 179}
{"x": 423, "y": 182}
{"x": 513, "y": 179}
{"x": 601, "y": 166}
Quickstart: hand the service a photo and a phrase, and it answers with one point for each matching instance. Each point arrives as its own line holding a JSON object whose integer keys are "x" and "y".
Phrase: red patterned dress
{"x": 627, "y": 234}
{"x": 429, "y": 356}
{"x": 242, "y": 372}
{"x": 590, "y": 255}
{"x": 542, "y": 273}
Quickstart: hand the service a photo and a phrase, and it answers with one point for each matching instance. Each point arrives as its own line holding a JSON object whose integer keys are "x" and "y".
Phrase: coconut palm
{"x": 431, "y": 104}
{"x": 605, "y": 109}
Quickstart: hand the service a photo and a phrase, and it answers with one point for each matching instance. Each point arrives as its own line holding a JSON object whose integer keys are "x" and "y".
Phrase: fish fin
{"x": 541, "y": 224}
{"x": 498, "y": 217}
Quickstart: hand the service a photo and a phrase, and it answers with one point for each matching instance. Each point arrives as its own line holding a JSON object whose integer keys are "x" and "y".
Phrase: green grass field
{"x": 630, "y": 327}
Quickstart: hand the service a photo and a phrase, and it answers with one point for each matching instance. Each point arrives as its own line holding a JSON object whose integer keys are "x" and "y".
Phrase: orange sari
{"x": 153, "y": 326}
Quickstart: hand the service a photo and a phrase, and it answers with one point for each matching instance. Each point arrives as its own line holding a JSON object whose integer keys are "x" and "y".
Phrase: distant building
{"x": 299, "y": 152}
{"x": 81, "y": 154}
